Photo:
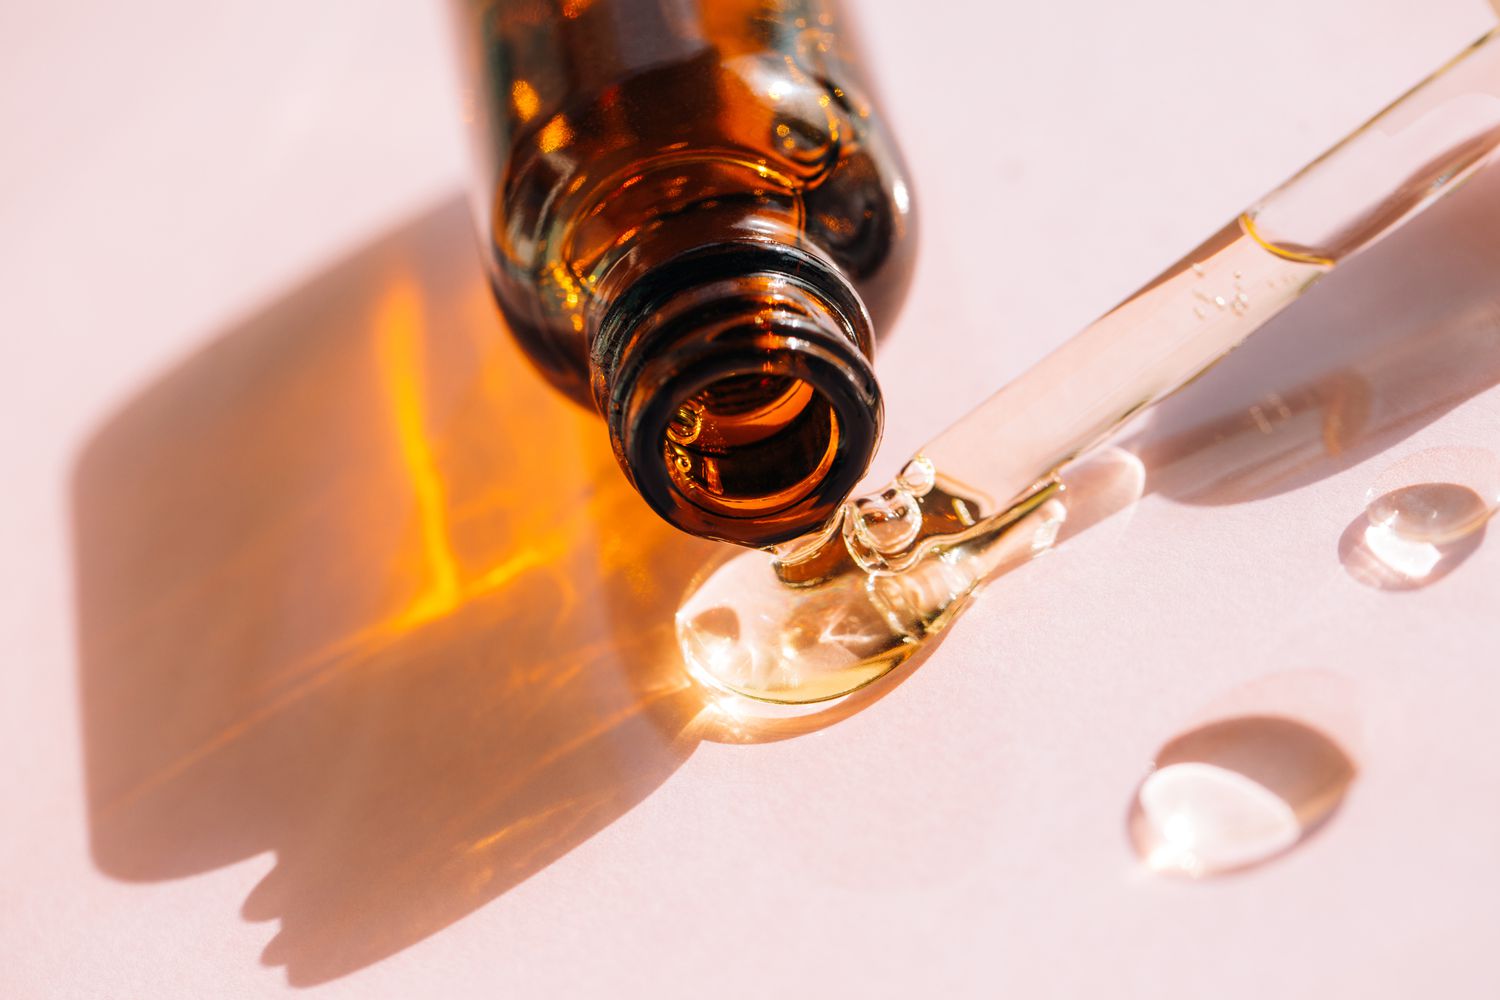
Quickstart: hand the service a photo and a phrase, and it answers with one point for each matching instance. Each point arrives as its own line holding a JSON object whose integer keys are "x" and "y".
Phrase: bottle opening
{"x": 739, "y": 393}
{"x": 754, "y": 446}
{"x": 751, "y": 444}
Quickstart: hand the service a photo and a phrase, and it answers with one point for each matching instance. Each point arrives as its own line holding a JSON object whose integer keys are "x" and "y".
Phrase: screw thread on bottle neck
{"x": 738, "y": 391}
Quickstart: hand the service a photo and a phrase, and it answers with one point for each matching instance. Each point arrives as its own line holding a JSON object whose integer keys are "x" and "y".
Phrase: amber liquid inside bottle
{"x": 694, "y": 223}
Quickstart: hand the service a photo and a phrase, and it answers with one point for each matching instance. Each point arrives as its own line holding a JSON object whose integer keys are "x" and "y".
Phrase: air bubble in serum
{"x": 1236, "y": 793}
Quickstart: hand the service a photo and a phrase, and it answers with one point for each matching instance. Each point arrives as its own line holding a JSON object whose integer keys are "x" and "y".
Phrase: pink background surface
{"x": 260, "y": 742}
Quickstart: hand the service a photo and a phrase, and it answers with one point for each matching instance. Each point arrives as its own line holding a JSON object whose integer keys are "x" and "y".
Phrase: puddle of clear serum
{"x": 1235, "y": 793}
{"x": 743, "y": 631}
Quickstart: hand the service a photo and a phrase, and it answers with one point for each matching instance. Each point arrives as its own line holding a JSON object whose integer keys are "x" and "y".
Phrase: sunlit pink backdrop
{"x": 175, "y": 172}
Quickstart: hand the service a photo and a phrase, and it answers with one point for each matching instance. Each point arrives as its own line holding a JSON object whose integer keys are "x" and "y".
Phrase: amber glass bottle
{"x": 694, "y": 223}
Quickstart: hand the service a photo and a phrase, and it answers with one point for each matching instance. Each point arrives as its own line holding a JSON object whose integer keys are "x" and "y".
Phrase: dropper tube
{"x": 975, "y": 476}
{"x": 837, "y": 609}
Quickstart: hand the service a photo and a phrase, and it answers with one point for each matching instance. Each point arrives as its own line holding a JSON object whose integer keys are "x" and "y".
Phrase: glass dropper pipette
{"x": 836, "y": 609}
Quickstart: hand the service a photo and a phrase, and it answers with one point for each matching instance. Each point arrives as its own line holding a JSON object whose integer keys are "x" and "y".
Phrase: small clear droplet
{"x": 1429, "y": 513}
{"x": 1236, "y": 793}
{"x": 887, "y": 522}
{"x": 1423, "y": 516}
{"x": 918, "y": 476}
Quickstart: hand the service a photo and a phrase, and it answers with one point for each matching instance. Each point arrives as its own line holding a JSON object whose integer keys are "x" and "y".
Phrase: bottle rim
{"x": 741, "y": 311}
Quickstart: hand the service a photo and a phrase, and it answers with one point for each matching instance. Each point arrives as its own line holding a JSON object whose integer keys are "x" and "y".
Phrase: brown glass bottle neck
{"x": 736, "y": 383}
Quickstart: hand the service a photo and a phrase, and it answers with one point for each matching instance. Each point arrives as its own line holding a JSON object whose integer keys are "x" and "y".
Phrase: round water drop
{"x": 1423, "y": 516}
{"x": 1235, "y": 793}
{"x": 886, "y": 522}
{"x": 918, "y": 476}
{"x": 1429, "y": 513}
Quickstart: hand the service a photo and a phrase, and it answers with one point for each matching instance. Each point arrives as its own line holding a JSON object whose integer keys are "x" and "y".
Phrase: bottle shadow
{"x": 1388, "y": 343}
{"x": 314, "y": 619}
{"x": 356, "y": 588}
